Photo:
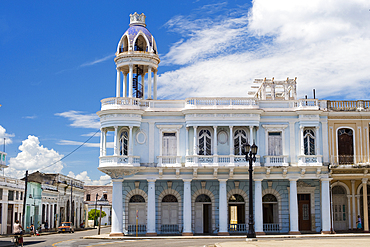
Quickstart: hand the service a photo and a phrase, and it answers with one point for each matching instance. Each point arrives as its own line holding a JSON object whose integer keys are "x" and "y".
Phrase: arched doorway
{"x": 270, "y": 213}
{"x": 137, "y": 207}
{"x": 237, "y": 214}
{"x": 340, "y": 208}
{"x": 170, "y": 214}
{"x": 345, "y": 146}
{"x": 362, "y": 204}
{"x": 203, "y": 214}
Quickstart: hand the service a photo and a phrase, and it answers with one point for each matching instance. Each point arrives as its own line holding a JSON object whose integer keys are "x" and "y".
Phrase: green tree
{"x": 95, "y": 215}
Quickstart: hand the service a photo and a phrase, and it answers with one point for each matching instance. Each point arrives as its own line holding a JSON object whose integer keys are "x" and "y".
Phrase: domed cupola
{"x": 136, "y": 56}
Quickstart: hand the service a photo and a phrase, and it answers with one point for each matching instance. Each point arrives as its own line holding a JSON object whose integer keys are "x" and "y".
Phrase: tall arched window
{"x": 345, "y": 146}
{"x": 140, "y": 44}
{"x": 240, "y": 139}
{"x": 205, "y": 142}
{"x": 123, "y": 143}
{"x": 309, "y": 141}
{"x": 137, "y": 207}
{"x": 270, "y": 211}
{"x": 124, "y": 45}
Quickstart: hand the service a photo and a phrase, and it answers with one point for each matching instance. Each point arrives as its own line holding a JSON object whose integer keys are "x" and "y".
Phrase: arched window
{"x": 123, "y": 142}
{"x": 124, "y": 45}
{"x": 236, "y": 198}
{"x": 140, "y": 44}
{"x": 203, "y": 198}
{"x": 205, "y": 142}
{"x": 270, "y": 209}
{"x": 236, "y": 212}
{"x": 240, "y": 139}
{"x": 137, "y": 199}
{"x": 309, "y": 141}
{"x": 345, "y": 146}
{"x": 169, "y": 198}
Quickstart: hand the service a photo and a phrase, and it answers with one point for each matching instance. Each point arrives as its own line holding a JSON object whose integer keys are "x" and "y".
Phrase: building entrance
{"x": 304, "y": 209}
{"x": 203, "y": 214}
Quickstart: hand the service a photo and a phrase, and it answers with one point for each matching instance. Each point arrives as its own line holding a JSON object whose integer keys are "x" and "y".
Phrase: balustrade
{"x": 348, "y": 105}
{"x": 119, "y": 160}
{"x": 169, "y": 161}
{"x": 238, "y": 228}
{"x": 141, "y": 229}
{"x": 280, "y": 160}
{"x": 170, "y": 228}
{"x": 310, "y": 160}
{"x": 271, "y": 227}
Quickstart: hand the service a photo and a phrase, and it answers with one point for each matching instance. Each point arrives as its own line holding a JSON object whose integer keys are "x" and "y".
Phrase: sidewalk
{"x": 237, "y": 237}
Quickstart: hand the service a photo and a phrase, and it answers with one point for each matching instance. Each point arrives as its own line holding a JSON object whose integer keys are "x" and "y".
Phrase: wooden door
{"x": 169, "y": 213}
{"x": 304, "y": 212}
{"x": 10, "y": 219}
{"x": 198, "y": 217}
{"x": 207, "y": 218}
{"x": 140, "y": 207}
{"x": 340, "y": 212}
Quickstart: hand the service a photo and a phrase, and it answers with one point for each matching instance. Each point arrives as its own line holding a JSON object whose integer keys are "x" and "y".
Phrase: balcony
{"x": 310, "y": 160}
{"x": 135, "y": 103}
{"x": 219, "y": 160}
{"x": 279, "y": 160}
{"x": 349, "y": 160}
{"x": 130, "y": 161}
{"x": 359, "y": 105}
{"x": 169, "y": 161}
{"x": 221, "y": 103}
{"x": 310, "y": 104}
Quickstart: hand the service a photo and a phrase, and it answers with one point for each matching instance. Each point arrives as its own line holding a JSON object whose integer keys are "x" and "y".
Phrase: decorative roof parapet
{"x": 136, "y": 19}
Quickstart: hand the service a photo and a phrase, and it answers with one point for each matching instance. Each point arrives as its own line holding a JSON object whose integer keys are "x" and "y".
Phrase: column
{"x": 155, "y": 85}
{"x": 222, "y": 208}
{"x": 195, "y": 141}
{"x": 105, "y": 143}
{"x": 273, "y": 92}
{"x": 51, "y": 222}
{"x": 118, "y": 89}
{"x": 149, "y": 82}
{"x": 317, "y": 143}
{"x": 258, "y": 206}
{"x": 101, "y": 141}
{"x": 143, "y": 84}
{"x": 130, "y": 80}
{"x": 302, "y": 140}
{"x": 354, "y": 217}
{"x": 293, "y": 207}
{"x": 231, "y": 144}
{"x": 187, "y": 208}
{"x": 251, "y": 135}
{"x": 117, "y": 208}
{"x": 215, "y": 160}
{"x": 349, "y": 212}
{"x": 186, "y": 140}
{"x": 124, "y": 92}
{"x": 325, "y": 205}
{"x": 5, "y": 212}
{"x": 150, "y": 229}
{"x": 365, "y": 206}
{"x": 130, "y": 146}
{"x": 115, "y": 140}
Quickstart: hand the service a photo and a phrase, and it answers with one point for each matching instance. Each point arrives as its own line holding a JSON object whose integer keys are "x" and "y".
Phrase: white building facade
{"x": 179, "y": 165}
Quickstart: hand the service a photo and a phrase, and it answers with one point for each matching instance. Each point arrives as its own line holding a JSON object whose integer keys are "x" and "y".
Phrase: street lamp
{"x": 250, "y": 156}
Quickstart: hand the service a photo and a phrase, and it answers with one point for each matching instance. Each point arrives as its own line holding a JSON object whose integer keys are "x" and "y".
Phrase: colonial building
{"x": 179, "y": 165}
{"x": 349, "y": 162}
{"x": 96, "y": 196}
{"x": 11, "y": 199}
{"x": 54, "y": 198}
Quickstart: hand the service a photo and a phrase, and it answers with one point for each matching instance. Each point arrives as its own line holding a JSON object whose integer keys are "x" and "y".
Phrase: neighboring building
{"x": 11, "y": 199}
{"x": 49, "y": 199}
{"x": 349, "y": 162}
{"x": 103, "y": 194}
{"x": 179, "y": 165}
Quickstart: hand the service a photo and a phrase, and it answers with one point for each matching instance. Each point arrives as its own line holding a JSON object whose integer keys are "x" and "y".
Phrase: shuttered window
{"x": 169, "y": 144}
{"x": 275, "y": 144}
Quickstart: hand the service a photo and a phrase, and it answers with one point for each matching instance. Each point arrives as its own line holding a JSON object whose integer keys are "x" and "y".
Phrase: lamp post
{"x": 96, "y": 203}
{"x": 250, "y": 156}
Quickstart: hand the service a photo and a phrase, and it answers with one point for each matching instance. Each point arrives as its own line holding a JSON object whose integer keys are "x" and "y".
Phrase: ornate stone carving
{"x": 302, "y": 184}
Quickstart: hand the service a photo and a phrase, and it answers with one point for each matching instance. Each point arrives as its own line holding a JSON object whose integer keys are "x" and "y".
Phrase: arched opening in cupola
{"x": 124, "y": 45}
{"x": 140, "y": 44}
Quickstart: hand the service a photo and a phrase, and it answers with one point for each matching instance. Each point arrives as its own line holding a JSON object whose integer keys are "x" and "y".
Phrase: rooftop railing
{"x": 348, "y": 105}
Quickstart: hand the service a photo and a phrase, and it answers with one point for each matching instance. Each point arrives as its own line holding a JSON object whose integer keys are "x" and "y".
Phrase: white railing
{"x": 135, "y": 103}
{"x": 170, "y": 228}
{"x": 141, "y": 229}
{"x": 348, "y": 105}
{"x": 309, "y": 159}
{"x": 119, "y": 160}
{"x": 238, "y": 228}
{"x": 271, "y": 227}
{"x": 220, "y": 102}
{"x": 280, "y": 160}
{"x": 349, "y": 160}
{"x": 222, "y": 160}
{"x": 171, "y": 161}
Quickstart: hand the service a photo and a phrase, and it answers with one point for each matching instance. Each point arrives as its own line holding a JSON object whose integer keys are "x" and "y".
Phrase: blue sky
{"x": 56, "y": 63}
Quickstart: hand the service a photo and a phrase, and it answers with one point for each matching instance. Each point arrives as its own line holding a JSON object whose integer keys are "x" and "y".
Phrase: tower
{"x": 137, "y": 56}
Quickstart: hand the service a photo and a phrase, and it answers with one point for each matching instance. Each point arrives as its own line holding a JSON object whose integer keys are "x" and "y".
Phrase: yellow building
{"x": 348, "y": 125}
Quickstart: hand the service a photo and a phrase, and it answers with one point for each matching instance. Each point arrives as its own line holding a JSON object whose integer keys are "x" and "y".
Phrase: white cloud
{"x": 96, "y": 61}
{"x": 325, "y": 44}
{"x": 33, "y": 157}
{"x": 76, "y": 143}
{"x": 5, "y": 135}
{"x": 81, "y": 120}
{"x": 103, "y": 180}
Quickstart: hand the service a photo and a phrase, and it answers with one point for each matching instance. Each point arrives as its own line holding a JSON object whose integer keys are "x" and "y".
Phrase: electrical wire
{"x": 71, "y": 152}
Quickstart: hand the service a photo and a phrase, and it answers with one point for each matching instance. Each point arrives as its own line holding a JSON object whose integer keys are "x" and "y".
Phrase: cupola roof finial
{"x": 137, "y": 20}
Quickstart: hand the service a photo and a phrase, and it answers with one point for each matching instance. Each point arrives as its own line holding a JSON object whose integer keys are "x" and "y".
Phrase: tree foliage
{"x": 93, "y": 214}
